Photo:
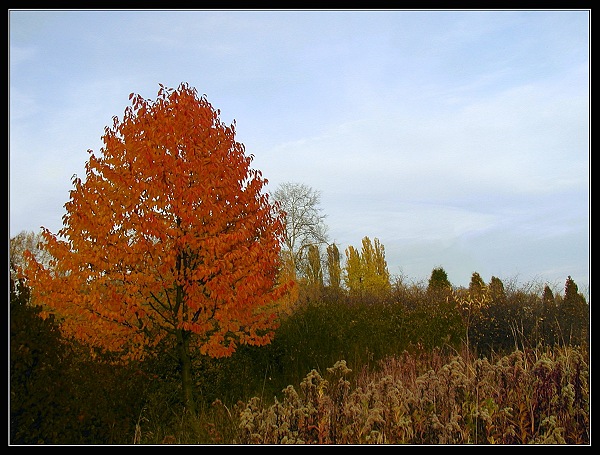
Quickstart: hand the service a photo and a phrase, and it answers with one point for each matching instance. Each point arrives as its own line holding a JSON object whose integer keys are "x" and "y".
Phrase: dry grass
{"x": 528, "y": 397}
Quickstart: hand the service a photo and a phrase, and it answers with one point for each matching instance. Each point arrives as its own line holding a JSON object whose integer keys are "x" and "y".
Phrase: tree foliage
{"x": 477, "y": 285}
{"x": 438, "y": 280}
{"x": 366, "y": 271}
{"x": 353, "y": 271}
{"x": 548, "y": 317}
{"x": 170, "y": 235}
{"x": 334, "y": 267}
{"x": 314, "y": 270}
{"x": 573, "y": 312}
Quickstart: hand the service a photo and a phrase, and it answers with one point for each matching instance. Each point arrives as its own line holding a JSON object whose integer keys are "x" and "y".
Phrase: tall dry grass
{"x": 537, "y": 396}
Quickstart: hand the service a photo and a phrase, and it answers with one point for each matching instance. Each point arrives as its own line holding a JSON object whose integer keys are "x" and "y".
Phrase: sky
{"x": 458, "y": 138}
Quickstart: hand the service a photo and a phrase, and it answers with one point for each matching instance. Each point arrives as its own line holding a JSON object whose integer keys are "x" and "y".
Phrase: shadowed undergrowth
{"x": 536, "y": 396}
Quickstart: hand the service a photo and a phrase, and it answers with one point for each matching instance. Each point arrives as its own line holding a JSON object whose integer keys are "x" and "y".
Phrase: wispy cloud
{"x": 458, "y": 138}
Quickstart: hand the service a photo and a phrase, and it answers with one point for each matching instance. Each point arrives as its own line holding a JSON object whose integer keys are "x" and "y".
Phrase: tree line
{"x": 491, "y": 315}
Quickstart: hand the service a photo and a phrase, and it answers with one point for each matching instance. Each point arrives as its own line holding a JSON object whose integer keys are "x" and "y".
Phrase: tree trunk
{"x": 185, "y": 363}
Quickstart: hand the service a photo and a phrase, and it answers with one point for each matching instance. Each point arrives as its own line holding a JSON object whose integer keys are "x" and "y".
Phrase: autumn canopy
{"x": 170, "y": 234}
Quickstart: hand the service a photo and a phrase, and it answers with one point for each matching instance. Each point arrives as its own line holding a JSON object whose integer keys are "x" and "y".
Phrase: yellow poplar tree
{"x": 334, "y": 267}
{"x": 366, "y": 271}
{"x": 353, "y": 276}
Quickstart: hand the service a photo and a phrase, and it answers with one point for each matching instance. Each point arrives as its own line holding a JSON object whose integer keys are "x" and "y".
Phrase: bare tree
{"x": 305, "y": 223}
{"x": 27, "y": 240}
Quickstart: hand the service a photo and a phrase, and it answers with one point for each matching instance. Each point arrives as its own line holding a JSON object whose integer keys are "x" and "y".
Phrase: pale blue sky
{"x": 459, "y": 139}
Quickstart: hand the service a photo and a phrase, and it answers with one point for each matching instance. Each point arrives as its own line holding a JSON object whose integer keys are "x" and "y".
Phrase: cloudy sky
{"x": 459, "y": 139}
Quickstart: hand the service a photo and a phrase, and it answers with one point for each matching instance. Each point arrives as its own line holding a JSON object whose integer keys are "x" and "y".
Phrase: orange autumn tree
{"x": 170, "y": 235}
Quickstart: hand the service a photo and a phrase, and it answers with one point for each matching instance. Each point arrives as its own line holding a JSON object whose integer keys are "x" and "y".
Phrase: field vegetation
{"x": 341, "y": 369}
{"x": 182, "y": 303}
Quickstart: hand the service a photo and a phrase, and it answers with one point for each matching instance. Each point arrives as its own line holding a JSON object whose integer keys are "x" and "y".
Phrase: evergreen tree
{"x": 497, "y": 292}
{"x": 476, "y": 285}
{"x": 438, "y": 280}
{"x": 573, "y": 314}
{"x": 548, "y": 316}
